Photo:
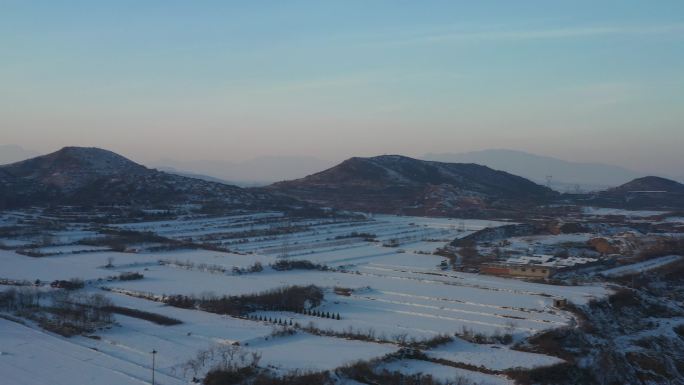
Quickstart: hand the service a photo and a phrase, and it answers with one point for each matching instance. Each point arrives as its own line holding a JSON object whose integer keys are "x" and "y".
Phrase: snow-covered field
{"x": 33, "y": 357}
{"x": 397, "y": 291}
{"x": 603, "y": 211}
{"x": 494, "y": 357}
{"x": 202, "y": 331}
{"x": 445, "y": 373}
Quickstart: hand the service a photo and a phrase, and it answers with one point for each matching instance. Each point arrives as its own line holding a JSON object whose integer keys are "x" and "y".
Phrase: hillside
{"x": 649, "y": 184}
{"x": 77, "y": 175}
{"x": 649, "y": 192}
{"x": 398, "y": 184}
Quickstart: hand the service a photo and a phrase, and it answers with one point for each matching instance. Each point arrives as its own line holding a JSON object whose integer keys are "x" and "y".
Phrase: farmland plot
{"x": 378, "y": 274}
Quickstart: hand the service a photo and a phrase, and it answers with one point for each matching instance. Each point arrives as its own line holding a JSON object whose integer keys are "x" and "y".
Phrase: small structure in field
{"x": 343, "y": 291}
{"x": 536, "y": 266}
{"x": 560, "y": 303}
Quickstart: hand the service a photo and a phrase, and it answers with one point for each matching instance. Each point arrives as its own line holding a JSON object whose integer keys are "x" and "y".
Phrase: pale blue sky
{"x": 580, "y": 80}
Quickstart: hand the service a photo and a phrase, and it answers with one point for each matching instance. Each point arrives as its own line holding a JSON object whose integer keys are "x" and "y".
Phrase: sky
{"x": 599, "y": 81}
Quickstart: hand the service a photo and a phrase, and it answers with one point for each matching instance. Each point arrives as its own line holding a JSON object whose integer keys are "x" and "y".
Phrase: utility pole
{"x": 153, "y": 354}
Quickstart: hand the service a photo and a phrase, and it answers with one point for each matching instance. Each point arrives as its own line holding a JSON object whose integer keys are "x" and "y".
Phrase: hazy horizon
{"x": 218, "y": 81}
{"x": 566, "y": 175}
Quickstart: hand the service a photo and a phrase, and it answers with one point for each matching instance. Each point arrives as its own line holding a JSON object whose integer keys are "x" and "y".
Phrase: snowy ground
{"x": 603, "y": 211}
{"x": 493, "y": 357}
{"x": 33, "y": 357}
{"x": 316, "y": 353}
{"x": 396, "y": 291}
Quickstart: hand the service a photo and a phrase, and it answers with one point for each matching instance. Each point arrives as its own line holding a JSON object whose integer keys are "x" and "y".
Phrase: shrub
{"x": 294, "y": 378}
{"x": 256, "y": 267}
{"x": 440, "y": 339}
{"x": 130, "y": 276}
{"x": 288, "y": 264}
{"x": 72, "y": 284}
{"x": 367, "y": 373}
{"x": 563, "y": 373}
{"x": 228, "y": 376}
{"x": 481, "y": 338}
{"x": 369, "y": 237}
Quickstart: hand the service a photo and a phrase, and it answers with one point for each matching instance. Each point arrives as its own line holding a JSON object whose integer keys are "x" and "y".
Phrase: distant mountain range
{"x": 85, "y": 176}
{"x": 207, "y": 178}
{"x": 10, "y": 153}
{"x": 254, "y": 172}
{"x": 402, "y": 185}
{"x": 565, "y": 175}
{"x": 384, "y": 184}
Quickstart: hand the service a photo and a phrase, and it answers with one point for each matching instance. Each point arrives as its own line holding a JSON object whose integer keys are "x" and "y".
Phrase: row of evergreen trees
{"x": 313, "y": 313}
{"x": 316, "y": 313}
{"x": 278, "y": 321}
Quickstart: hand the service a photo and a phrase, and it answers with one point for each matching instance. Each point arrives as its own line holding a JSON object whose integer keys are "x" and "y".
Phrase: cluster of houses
{"x": 535, "y": 266}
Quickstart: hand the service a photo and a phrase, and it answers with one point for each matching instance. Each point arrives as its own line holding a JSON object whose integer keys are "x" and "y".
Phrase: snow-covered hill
{"x": 399, "y": 184}
{"x": 77, "y": 175}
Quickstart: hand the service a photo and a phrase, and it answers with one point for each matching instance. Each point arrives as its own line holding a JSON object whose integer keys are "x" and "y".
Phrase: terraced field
{"x": 379, "y": 274}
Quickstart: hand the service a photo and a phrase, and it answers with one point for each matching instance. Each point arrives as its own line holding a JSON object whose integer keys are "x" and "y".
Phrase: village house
{"x": 517, "y": 270}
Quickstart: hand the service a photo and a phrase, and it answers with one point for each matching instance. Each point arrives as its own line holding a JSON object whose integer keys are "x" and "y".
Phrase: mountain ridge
{"x": 404, "y": 185}
{"x": 91, "y": 176}
{"x": 11, "y": 153}
{"x": 650, "y": 183}
{"x": 649, "y": 192}
{"x": 261, "y": 170}
{"x": 565, "y": 174}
